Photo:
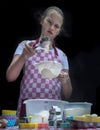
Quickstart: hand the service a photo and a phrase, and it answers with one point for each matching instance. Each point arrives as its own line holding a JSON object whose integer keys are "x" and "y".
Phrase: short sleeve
{"x": 20, "y": 48}
{"x": 65, "y": 62}
{"x": 64, "y": 59}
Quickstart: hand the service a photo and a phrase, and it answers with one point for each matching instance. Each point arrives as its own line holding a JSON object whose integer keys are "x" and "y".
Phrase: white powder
{"x": 40, "y": 117}
{"x": 75, "y": 111}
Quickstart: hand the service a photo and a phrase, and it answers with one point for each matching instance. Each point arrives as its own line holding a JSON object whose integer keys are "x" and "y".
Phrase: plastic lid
{"x": 8, "y": 112}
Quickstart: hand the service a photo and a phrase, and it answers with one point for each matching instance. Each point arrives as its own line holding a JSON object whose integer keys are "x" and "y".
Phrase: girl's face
{"x": 52, "y": 24}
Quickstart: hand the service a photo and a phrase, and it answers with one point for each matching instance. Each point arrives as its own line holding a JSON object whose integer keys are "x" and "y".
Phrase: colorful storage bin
{"x": 10, "y": 116}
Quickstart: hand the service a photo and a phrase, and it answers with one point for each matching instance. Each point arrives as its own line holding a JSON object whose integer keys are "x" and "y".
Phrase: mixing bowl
{"x": 49, "y": 69}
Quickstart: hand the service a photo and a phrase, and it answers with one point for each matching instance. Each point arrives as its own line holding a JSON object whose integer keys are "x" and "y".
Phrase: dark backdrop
{"x": 81, "y": 42}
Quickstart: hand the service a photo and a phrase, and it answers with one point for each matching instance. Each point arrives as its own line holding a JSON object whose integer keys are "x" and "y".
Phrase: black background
{"x": 19, "y": 20}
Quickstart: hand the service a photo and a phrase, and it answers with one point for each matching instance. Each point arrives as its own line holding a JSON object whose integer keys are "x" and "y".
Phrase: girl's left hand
{"x": 63, "y": 76}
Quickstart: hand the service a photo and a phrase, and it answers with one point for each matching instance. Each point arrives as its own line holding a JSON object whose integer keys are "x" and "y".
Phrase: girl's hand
{"x": 28, "y": 50}
{"x": 63, "y": 76}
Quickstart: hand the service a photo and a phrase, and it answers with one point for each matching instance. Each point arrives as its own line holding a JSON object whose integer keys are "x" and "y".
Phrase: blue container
{"x": 11, "y": 120}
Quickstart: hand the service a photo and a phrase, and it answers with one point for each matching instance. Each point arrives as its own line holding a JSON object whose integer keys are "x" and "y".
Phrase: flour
{"x": 75, "y": 111}
{"x": 40, "y": 117}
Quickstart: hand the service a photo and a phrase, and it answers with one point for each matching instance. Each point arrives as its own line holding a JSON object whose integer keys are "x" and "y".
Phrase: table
{"x": 50, "y": 129}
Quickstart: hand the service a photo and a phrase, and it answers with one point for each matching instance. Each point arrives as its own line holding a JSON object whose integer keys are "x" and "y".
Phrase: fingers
{"x": 29, "y": 49}
{"x": 31, "y": 44}
{"x": 64, "y": 73}
{"x": 63, "y": 76}
{"x": 25, "y": 42}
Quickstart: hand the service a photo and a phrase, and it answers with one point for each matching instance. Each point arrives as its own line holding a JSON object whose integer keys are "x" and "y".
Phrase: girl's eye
{"x": 57, "y": 26}
{"x": 49, "y": 21}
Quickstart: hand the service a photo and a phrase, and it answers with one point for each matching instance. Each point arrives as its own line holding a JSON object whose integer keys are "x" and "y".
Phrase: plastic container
{"x": 8, "y": 112}
{"x": 10, "y": 116}
{"x": 39, "y": 108}
{"x": 77, "y": 109}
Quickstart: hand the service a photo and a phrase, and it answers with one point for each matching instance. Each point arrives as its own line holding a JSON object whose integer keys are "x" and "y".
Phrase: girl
{"x": 29, "y": 52}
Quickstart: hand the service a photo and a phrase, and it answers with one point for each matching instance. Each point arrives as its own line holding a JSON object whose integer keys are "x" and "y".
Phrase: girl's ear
{"x": 41, "y": 20}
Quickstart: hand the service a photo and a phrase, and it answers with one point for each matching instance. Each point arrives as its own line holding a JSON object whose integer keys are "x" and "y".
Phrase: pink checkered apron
{"x": 34, "y": 85}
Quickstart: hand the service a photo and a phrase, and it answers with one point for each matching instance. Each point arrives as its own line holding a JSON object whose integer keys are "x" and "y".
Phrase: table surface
{"x": 49, "y": 129}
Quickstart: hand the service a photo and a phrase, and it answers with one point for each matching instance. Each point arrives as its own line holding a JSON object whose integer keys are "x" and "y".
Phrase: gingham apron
{"x": 34, "y": 85}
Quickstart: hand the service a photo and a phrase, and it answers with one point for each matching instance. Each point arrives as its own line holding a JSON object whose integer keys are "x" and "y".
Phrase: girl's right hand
{"x": 28, "y": 49}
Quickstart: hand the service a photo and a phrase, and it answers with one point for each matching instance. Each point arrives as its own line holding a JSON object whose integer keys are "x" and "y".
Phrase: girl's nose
{"x": 52, "y": 27}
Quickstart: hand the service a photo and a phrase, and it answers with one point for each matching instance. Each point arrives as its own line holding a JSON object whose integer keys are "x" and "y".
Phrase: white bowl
{"x": 49, "y": 69}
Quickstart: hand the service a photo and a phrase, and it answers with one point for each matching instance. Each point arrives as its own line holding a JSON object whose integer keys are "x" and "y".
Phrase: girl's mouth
{"x": 50, "y": 32}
